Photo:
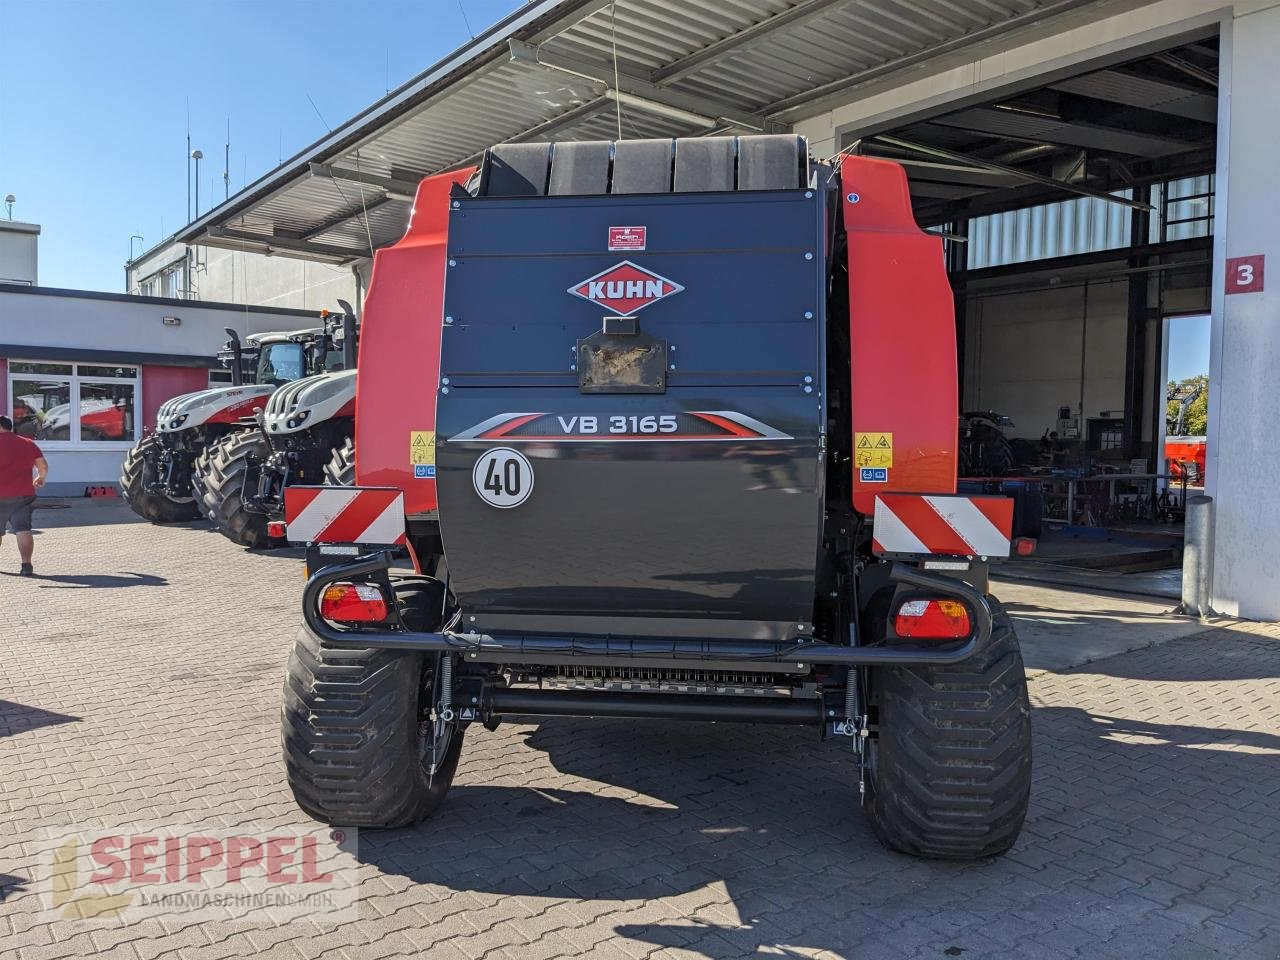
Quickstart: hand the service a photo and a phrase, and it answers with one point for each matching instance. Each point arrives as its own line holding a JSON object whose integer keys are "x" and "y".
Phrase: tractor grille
{"x": 285, "y": 400}
{"x": 650, "y": 680}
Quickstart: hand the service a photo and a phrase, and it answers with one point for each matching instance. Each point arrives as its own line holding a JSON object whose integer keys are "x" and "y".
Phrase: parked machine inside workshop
{"x": 669, "y": 431}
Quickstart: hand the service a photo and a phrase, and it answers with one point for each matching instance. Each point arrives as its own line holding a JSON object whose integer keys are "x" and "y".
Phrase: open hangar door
{"x": 1078, "y": 218}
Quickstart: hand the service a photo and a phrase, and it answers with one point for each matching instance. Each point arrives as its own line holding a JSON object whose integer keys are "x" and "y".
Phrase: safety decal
{"x": 344, "y": 515}
{"x": 423, "y": 471}
{"x": 873, "y": 449}
{"x": 873, "y": 474}
{"x": 503, "y": 477}
{"x": 947, "y": 525}
{"x": 690, "y": 425}
{"x": 422, "y": 449}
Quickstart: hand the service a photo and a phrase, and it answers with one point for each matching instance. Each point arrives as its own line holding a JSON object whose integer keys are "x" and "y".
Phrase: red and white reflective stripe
{"x": 344, "y": 515}
{"x": 957, "y": 526}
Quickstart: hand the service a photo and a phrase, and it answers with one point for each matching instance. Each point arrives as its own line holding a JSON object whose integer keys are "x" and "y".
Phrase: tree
{"x": 1196, "y": 422}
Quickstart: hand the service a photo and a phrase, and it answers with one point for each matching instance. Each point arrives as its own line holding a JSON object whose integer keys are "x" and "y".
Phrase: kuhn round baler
{"x": 668, "y": 430}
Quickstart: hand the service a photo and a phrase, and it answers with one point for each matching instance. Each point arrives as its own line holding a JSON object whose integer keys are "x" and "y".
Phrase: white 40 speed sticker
{"x": 503, "y": 477}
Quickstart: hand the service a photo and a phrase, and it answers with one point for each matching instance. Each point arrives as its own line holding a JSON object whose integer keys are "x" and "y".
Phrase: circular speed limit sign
{"x": 503, "y": 477}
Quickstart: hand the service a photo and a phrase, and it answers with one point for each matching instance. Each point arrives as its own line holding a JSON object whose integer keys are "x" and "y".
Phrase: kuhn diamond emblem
{"x": 625, "y": 288}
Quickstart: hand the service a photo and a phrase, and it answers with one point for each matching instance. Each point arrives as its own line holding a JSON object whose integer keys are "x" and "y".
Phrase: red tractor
{"x": 667, "y": 430}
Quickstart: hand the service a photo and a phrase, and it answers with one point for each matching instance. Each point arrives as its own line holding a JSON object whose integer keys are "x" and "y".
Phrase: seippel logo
{"x": 625, "y": 288}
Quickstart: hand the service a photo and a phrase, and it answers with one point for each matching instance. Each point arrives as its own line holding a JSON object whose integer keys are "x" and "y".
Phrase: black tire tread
{"x": 952, "y": 777}
{"x": 340, "y": 471}
{"x": 224, "y": 483}
{"x": 349, "y": 727}
{"x": 155, "y": 507}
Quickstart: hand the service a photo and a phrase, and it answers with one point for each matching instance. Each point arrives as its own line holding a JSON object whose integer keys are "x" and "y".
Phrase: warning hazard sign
{"x": 873, "y": 449}
{"x": 422, "y": 447}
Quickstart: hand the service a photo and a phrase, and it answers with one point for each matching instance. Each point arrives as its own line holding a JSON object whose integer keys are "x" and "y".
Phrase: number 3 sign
{"x": 1245, "y": 274}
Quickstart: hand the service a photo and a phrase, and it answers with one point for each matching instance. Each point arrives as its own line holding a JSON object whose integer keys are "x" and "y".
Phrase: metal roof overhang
{"x": 547, "y": 71}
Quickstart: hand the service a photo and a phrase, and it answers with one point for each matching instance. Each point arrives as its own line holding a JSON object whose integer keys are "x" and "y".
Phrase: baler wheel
{"x": 353, "y": 725}
{"x": 340, "y": 471}
{"x": 950, "y": 771}
{"x": 228, "y": 461}
{"x": 155, "y": 507}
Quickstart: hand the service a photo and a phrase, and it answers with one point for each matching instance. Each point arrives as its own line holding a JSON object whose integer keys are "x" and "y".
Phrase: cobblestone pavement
{"x": 140, "y": 681}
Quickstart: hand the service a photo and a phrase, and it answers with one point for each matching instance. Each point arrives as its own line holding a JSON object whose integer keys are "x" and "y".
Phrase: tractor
{"x": 163, "y": 477}
{"x": 667, "y": 430}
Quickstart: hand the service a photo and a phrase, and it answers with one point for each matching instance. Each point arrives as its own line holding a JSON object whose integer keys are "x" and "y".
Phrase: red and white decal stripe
{"x": 344, "y": 515}
{"x": 957, "y": 526}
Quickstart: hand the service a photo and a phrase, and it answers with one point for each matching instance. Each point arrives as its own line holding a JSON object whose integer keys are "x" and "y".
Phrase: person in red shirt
{"x": 19, "y": 458}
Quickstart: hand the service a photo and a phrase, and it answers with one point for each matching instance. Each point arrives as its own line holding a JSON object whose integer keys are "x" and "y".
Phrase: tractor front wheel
{"x": 950, "y": 769}
{"x": 150, "y": 505}
{"x": 340, "y": 471}
{"x": 228, "y": 463}
{"x": 355, "y": 723}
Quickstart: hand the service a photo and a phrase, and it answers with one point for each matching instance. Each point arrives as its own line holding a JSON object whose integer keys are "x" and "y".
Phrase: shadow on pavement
{"x": 92, "y": 581}
{"x": 773, "y": 818}
{"x": 18, "y": 718}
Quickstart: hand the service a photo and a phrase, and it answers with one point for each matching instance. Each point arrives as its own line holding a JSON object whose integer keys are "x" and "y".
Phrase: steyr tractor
{"x": 162, "y": 477}
{"x": 668, "y": 431}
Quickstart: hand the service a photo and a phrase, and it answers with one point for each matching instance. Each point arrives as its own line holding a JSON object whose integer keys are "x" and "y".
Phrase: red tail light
{"x": 353, "y": 603}
{"x": 932, "y": 620}
{"x": 276, "y": 529}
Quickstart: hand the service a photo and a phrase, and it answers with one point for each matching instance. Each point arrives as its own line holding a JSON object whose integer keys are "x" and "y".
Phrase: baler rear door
{"x": 629, "y": 440}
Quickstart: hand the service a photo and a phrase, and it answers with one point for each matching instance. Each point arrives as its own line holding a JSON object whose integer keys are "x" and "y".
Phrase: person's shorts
{"x": 16, "y": 513}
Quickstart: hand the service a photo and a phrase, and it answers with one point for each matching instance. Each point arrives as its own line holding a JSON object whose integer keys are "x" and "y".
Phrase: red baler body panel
{"x": 902, "y": 337}
{"x": 399, "y": 369}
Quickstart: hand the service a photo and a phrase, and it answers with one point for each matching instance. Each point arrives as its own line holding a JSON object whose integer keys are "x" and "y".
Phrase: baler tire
{"x": 351, "y": 728}
{"x": 950, "y": 770}
{"x": 224, "y": 486}
{"x": 340, "y": 471}
{"x": 155, "y": 507}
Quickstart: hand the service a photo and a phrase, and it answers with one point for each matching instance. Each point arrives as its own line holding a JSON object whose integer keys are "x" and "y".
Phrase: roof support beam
{"x": 235, "y": 239}
{"x": 339, "y": 219}
{"x": 543, "y": 129}
{"x": 638, "y": 90}
{"x": 1026, "y": 175}
{"x": 695, "y": 61}
{"x": 395, "y": 189}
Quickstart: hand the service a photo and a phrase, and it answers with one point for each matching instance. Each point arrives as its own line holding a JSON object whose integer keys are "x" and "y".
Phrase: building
{"x": 197, "y": 272}
{"x": 84, "y": 373}
{"x": 18, "y": 252}
{"x": 1100, "y": 168}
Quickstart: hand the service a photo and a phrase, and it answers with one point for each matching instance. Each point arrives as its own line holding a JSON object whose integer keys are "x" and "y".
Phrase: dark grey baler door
{"x": 685, "y": 507}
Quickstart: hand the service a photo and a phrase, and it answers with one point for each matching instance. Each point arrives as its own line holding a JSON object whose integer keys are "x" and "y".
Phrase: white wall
{"x": 1027, "y": 351}
{"x": 218, "y": 275}
{"x": 1244, "y": 458}
{"x": 130, "y": 324}
{"x": 18, "y": 252}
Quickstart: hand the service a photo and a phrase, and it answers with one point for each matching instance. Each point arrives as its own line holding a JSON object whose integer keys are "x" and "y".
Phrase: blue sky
{"x": 1188, "y": 347}
{"x": 93, "y": 103}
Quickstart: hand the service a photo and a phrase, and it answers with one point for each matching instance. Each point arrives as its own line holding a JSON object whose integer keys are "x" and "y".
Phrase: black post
{"x": 1135, "y": 385}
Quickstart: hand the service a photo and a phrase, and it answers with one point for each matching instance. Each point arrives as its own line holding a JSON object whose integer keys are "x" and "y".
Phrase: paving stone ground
{"x": 140, "y": 682}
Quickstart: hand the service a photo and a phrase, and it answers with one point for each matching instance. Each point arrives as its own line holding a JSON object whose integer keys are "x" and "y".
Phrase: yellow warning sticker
{"x": 873, "y": 449}
{"x": 422, "y": 447}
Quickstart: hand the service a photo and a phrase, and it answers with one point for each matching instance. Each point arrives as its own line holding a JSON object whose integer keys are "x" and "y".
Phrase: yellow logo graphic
{"x": 873, "y": 449}
{"x": 422, "y": 447}
{"x": 66, "y": 895}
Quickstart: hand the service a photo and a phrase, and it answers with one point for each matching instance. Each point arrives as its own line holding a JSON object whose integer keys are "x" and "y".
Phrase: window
{"x": 281, "y": 363}
{"x": 174, "y": 285}
{"x": 220, "y": 378}
{"x": 149, "y": 287}
{"x": 74, "y": 403}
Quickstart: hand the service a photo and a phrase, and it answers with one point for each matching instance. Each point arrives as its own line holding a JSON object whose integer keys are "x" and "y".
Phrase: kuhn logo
{"x": 625, "y": 288}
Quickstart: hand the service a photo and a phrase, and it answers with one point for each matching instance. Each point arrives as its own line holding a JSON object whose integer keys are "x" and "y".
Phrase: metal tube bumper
{"x": 639, "y": 706}
{"x": 480, "y": 647}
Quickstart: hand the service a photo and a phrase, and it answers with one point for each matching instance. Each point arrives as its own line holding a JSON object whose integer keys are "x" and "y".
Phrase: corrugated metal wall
{"x": 1086, "y": 225}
